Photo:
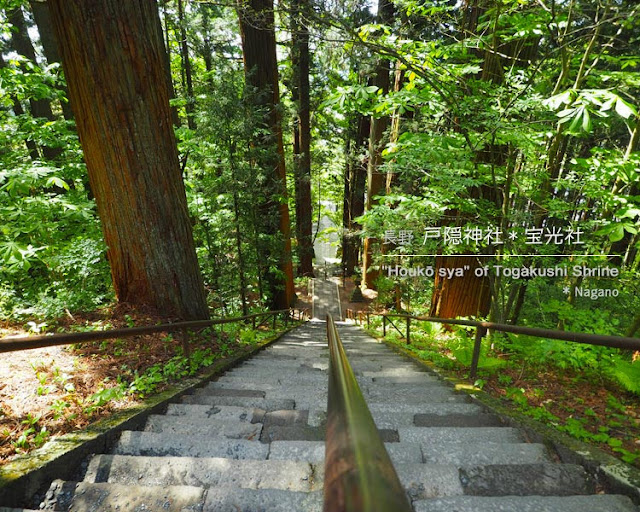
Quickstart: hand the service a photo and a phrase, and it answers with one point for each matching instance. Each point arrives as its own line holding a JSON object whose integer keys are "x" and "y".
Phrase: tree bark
{"x": 376, "y": 181}
{"x": 261, "y": 71}
{"x": 186, "y": 68}
{"x": 42, "y": 18}
{"x": 461, "y": 296}
{"x": 302, "y": 136}
{"x": 123, "y": 117}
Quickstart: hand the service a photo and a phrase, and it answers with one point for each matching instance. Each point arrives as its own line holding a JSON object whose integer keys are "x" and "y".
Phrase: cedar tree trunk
{"x": 261, "y": 72}
{"x": 302, "y": 136}
{"x": 114, "y": 61}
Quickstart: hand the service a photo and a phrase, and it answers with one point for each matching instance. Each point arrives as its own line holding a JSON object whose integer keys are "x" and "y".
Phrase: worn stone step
{"x": 90, "y": 497}
{"x": 314, "y": 451}
{"x": 472, "y": 454}
{"x": 426, "y": 408}
{"x": 159, "y": 444}
{"x": 273, "y": 380}
{"x": 274, "y": 384}
{"x": 265, "y": 404}
{"x": 232, "y": 499}
{"x": 200, "y": 427}
{"x": 457, "y": 420}
{"x": 546, "y": 479}
{"x": 217, "y": 412}
{"x": 437, "y": 435}
{"x": 421, "y": 378}
{"x": 595, "y": 503}
{"x": 204, "y": 472}
{"x": 420, "y": 396}
{"x": 435, "y": 480}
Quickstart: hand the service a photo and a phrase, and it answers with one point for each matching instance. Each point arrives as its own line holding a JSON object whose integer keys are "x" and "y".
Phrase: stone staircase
{"x": 254, "y": 441}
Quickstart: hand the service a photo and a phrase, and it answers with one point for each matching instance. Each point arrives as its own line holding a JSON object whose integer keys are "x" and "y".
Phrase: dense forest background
{"x": 485, "y": 121}
{"x": 177, "y": 157}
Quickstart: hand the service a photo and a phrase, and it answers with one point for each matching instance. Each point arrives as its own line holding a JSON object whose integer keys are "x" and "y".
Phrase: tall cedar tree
{"x": 261, "y": 70}
{"x": 114, "y": 61}
{"x": 376, "y": 180}
{"x": 302, "y": 134}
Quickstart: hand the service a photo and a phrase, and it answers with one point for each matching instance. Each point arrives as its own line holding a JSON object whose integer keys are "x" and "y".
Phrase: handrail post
{"x": 384, "y": 325}
{"x": 480, "y": 332}
{"x": 408, "y": 330}
{"x": 186, "y": 350}
{"x": 275, "y": 317}
{"x": 368, "y": 321}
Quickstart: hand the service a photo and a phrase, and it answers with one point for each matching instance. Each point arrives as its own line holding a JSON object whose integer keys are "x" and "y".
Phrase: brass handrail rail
{"x": 11, "y": 344}
{"x": 359, "y": 476}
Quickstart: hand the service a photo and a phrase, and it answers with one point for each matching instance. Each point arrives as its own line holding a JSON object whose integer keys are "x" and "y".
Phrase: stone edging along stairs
{"x": 254, "y": 441}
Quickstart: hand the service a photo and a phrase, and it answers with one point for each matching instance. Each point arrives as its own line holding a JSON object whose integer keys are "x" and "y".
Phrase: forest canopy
{"x": 452, "y": 135}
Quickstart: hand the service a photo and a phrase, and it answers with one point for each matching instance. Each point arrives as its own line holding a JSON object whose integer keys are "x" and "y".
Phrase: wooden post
{"x": 384, "y": 325}
{"x": 275, "y": 317}
{"x": 286, "y": 319}
{"x": 368, "y": 321}
{"x": 253, "y": 322}
{"x": 186, "y": 350}
{"x": 480, "y": 332}
{"x": 408, "y": 330}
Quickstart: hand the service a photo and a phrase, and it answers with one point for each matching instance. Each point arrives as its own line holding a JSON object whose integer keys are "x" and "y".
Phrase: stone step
{"x": 217, "y": 412}
{"x": 265, "y": 404}
{"x": 436, "y": 480}
{"x": 435, "y": 436}
{"x": 89, "y": 497}
{"x": 545, "y": 479}
{"x": 426, "y": 408}
{"x": 200, "y": 427}
{"x": 159, "y": 444}
{"x": 274, "y": 384}
{"x": 314, "y": 451}
{"x": 231, "y": 499}
{"x": 204, "y": 472}
{"x": 419, "y": 396}
{"x": 595, "y": 503}
{"x": 261, "y": 380}
{"x": 472, "y": 454}
{"x": 457, "y": 420}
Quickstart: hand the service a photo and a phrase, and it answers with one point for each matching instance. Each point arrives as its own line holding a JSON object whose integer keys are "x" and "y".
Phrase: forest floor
{"x": 52, "y": 391}
{"x": 584, "y": 405}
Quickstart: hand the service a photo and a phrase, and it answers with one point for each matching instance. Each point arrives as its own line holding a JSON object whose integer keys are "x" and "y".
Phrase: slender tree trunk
{"x": 123, "y": 117}
{"x": 261, "y": 72}
{"x": 42, "y": 18}
{"x": 186, "y": 68}
{"x": 21, "y": 43}
{"x": 302, "y": 136}
{"x": 376, "y": 180}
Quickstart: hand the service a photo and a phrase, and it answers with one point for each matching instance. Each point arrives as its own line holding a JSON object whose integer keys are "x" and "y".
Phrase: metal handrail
{"x": 604, "y": 340}
{"x": 358, "y": 475}
{"x": 11, "y": 344}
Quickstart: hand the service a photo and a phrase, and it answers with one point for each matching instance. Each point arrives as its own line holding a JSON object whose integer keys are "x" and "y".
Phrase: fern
{"x": 628, "y": 375}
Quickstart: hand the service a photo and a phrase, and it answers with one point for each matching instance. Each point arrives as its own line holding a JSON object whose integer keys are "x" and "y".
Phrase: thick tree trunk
{"x": 459, "y": 296}
{"x": 261, "y": 71}
{"x": 302, "y": 136}
{"x": 122, "y": 112}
